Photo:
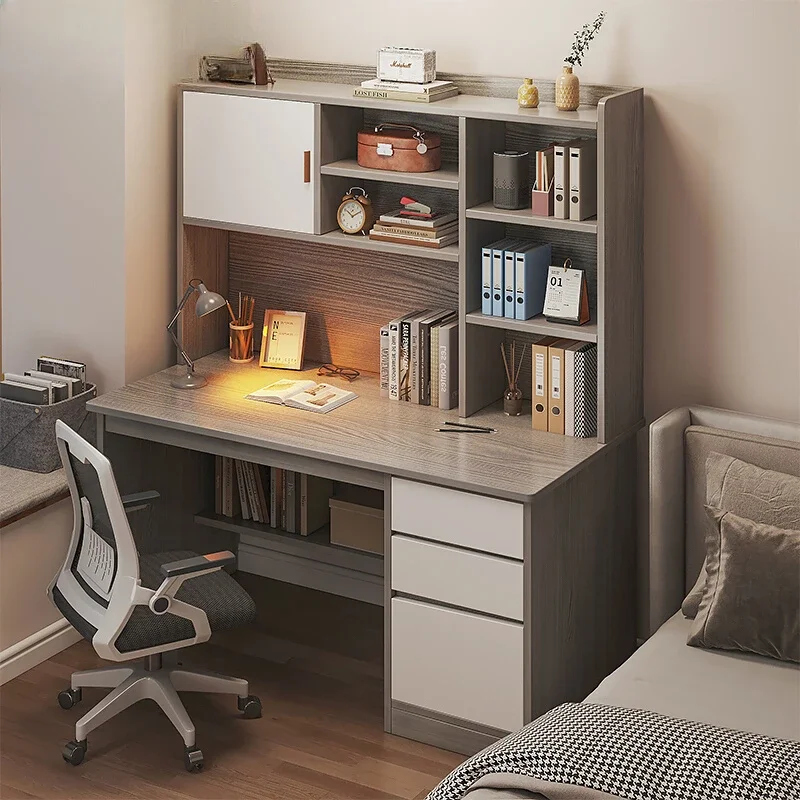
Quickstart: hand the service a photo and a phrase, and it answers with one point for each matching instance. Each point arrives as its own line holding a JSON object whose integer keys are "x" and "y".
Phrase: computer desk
{"x": 508, "y": 575}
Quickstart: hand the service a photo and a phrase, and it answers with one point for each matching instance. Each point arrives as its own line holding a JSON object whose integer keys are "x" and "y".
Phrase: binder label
{"x": 555, "y": 378}
{"x": 540, "y": 374}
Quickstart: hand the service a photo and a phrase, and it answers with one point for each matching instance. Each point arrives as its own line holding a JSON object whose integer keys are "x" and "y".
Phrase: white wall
{"x": 62, "y": 166}
{"x": 723, "y": 91}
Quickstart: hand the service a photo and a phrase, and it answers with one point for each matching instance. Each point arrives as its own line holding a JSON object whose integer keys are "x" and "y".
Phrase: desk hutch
{"x": 507, "y": 581}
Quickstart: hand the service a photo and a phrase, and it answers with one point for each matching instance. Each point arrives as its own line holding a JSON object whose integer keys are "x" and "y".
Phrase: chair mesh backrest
{"x": 88, "y": 484}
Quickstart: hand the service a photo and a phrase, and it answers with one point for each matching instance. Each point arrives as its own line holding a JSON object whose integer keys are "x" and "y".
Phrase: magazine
{"x": 308, "y": 395}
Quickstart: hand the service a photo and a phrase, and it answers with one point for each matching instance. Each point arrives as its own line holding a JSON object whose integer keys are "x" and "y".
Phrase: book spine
{"x": 435, "y": 366}
{"x": 385, "y": 361}
{"x": 398, "y": 239}
{"x": 586, "y": 393}
{"x": 258, "y": 477}
{"x": 413, "y": 363}
{"x": 303, "y": 505}
{"x": 242, "y": 489}
{"x": 284, "y": 490}
{"x": 416, "y": 233}
{"x": 394, "y": 367}
{"x": 218, "y": 484}
{"x": 411, "y": 97}
{"x": 227, "y": 487}
{"x": 273, "y": 497}
{"x": 425, "y": 364}
{"x": 448, "y": 368}
{"x": 429, "y": 224}
{"x": 404, "y": 387}
{"x": 252, "y": 494}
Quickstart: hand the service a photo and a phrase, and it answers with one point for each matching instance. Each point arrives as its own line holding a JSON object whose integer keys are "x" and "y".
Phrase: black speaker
{"x": 511, "y": 185}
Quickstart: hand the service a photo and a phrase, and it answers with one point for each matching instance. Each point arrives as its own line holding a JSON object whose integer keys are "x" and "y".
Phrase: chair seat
{"x": 226, "y": 603}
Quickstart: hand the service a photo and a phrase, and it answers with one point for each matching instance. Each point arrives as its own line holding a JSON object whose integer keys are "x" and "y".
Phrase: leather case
{"x": 399, "y": 148}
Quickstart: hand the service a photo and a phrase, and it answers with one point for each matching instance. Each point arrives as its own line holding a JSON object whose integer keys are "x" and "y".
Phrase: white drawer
{"x": 457, "y": 663}
{"x": 447, "y": 515}
{"x": 460, "y": 577}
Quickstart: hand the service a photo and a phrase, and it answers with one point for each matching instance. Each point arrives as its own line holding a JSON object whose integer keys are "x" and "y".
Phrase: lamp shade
{"x": 208, "y": 301}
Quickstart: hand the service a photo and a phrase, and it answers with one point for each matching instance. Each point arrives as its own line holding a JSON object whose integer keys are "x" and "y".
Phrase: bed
{"x": 750, "y": 697}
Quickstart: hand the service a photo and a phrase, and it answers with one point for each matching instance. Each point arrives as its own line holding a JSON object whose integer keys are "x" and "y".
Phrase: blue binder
{"x": 530, "y": 280}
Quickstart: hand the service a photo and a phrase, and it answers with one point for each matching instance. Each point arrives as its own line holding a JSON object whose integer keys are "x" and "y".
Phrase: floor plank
{"x": 320, "y": 738}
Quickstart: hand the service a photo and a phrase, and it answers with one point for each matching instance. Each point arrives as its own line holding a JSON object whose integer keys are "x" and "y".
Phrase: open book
{"x": 308, "y": 395}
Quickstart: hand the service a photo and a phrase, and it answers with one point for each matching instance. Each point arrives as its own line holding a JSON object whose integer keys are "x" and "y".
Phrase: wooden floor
{"x": 321, "y": 736}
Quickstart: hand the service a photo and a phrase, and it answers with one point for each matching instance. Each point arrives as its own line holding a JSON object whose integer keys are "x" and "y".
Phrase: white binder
{"x": 561, "y": 179}
{"x": 486, "y": 280}
{"x": 583, "y": 180}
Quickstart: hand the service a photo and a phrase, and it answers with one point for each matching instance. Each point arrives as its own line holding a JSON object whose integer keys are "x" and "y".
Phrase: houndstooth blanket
{"x": 637, "y": 755}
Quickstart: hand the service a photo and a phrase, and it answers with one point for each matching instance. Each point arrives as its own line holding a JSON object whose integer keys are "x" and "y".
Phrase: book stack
{"x": 377, "y": 89}
{"x": 53, "y": 380}
{"x": 565, "y": 387}
{"x": 419, "y": 359}
{"x": 280, "y": 498}
{"x": 416, "y": 224}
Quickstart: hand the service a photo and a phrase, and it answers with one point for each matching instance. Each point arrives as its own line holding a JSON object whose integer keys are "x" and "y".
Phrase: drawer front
{"x": 457, "y": 663}
{"x": 460, "y": 577}
{"x": 447, "y": 515}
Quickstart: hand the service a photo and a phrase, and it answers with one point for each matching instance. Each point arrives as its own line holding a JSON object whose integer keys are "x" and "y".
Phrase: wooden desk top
{"x": 371, "y": 433}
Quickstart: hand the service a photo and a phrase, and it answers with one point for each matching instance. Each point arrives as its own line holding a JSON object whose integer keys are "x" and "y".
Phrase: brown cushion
{"x": 761, "y": 495}
{"x": 751, "y": 600}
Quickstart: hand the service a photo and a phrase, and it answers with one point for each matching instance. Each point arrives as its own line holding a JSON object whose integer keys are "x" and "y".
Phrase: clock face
{"x": 352, "y": 216}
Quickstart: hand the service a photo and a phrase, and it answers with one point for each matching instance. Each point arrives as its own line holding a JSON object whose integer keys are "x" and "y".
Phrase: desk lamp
{"x": 206, "y": 303}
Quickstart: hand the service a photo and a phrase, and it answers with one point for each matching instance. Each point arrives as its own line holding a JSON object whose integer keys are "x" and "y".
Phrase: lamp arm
{"x": 190, "y": 289}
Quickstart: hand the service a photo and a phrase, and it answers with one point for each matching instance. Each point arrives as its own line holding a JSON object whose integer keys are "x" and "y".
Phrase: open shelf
{"x": 525, "y": 216}
{"x": 537, "y": 325}
{"x": 335, "y": 238}
{"x": 444, "y": 178}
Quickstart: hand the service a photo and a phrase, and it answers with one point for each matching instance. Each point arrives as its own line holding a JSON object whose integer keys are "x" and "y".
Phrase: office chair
{"x": 132, "y": 606}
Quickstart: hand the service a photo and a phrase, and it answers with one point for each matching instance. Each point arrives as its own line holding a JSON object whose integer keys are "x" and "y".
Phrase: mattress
{"x": 731, "y": 690}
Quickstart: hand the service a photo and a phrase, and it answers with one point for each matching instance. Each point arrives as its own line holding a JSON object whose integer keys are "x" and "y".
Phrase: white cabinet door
{"x": 459, "y": 664}
{"x": 244, "y": 161}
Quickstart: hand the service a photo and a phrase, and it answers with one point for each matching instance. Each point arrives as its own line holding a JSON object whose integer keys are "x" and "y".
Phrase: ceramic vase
{"x": 568, "y": 90}
{"x": 528, "y": 94}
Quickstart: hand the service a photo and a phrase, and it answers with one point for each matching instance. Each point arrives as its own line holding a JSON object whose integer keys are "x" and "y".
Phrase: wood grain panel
{"x": 371, "y": 433}
{"x": 490, "y": 86}
{"x": 347, "y": 294}
{"x": 621, "y": 260}
{"x": 205, "y": 255}
{"x": 583, "y": 603}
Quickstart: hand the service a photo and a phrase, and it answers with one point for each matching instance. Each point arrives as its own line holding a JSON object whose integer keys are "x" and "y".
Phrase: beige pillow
{"x": 751, "y": 600}
{"x": 761, "y": 495}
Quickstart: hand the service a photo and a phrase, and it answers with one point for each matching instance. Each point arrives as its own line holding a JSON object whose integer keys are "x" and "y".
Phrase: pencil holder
{"x": 241, "y": 343}
{"x": 542, "y": 203}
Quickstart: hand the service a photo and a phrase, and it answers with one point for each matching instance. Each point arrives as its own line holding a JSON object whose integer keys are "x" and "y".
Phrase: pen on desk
{"x": 469, "y": 427}
{"x": 464, "y": 430}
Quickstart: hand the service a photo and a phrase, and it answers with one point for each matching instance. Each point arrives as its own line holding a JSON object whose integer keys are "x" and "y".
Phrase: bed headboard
{"x": 680, "y": 442}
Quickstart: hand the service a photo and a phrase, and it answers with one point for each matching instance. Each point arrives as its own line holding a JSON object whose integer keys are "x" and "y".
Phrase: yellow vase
{"x": 528, "y": 94}
{"x": 568, "y": 90}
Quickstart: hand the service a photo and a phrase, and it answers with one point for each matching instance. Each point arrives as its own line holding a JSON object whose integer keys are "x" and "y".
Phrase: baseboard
{"x": 38, "y": 647}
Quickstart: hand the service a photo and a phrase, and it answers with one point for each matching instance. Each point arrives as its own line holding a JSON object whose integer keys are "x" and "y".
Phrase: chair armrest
{"x": 133, "y": 502}
{"x": 206, "y": 563}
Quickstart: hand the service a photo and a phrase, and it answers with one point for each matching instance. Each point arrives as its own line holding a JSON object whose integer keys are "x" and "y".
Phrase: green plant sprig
{"x": 583, "y": 39}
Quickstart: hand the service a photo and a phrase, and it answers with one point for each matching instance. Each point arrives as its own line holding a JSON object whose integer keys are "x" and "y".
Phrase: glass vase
{"x": 512, "y": 402}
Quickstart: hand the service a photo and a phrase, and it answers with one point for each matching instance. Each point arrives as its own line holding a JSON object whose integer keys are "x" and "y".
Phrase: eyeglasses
{"x": 331, "y": 370}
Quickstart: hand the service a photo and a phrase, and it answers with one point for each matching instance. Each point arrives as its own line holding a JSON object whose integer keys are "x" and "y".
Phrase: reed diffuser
{"x": 512, "y": 397}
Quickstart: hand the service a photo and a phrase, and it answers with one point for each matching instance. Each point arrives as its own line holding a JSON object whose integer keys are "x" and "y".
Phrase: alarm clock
{"x": 355, "y": 213}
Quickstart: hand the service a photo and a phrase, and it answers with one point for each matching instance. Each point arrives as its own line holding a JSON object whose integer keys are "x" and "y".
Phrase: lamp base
{"x": 189, "y": 381}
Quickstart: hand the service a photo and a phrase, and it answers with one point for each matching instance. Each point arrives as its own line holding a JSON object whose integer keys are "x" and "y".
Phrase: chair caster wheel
{"x": 74, "y": 752}
{"x": 250, "y": 706}
{"x": 68, "y": 697}
{"x": 193, "y": 759}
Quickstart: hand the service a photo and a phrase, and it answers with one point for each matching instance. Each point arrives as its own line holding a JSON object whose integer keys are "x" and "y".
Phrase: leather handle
{"x": 383, "y": 126}
{"x": 307, "y": 166}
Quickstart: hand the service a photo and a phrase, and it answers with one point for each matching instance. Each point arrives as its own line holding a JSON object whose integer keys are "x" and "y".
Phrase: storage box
{"x": 28, "y": 432}
{"x": 399, "y": 148}
{"x": 406, "y": 64}
{"x": 357, "y": 519}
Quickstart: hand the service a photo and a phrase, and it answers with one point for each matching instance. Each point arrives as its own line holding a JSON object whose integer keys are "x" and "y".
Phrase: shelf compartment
{"x": 336, "y": 239}
{"x": 310, "y": 561}
{"x": 524, "y": 216}
{"x": 536, "y": 325}
{"x": 444, "y": 178}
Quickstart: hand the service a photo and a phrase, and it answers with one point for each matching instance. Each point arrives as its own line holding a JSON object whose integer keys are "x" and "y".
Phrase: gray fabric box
{"x": 28, "y": 432}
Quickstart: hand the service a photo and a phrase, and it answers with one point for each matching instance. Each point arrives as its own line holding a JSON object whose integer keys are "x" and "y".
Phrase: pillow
{"x": 761, "y": 495}
{"x": 751, "y": 600}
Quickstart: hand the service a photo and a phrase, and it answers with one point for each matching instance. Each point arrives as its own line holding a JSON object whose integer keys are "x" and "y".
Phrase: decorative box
{"x": 28, "y": 432}
{"x": 399, "y": 148}
{"x": 406, "y": 64}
